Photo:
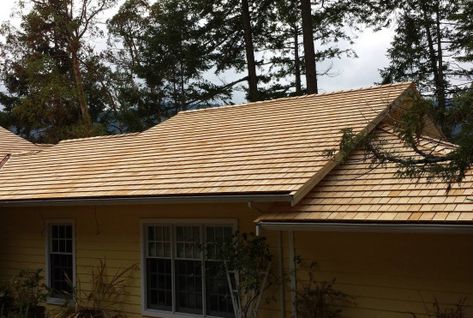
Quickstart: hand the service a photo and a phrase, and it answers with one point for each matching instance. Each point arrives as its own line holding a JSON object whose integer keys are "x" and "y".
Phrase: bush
{"x": 23, "y": 295}
{"x": 6, "y": 301}
{"x": 247, "y": 261}
{"x": 102, "y": 300}
{"x": 457, "y": 311}
{"x": 319, "y": 299}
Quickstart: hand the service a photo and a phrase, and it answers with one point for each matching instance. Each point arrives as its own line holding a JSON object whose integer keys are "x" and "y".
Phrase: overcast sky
{"x": 346, "y": 73}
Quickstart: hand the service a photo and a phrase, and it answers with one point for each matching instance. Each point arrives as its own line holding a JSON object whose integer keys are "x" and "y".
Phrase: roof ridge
{"x": 99, "y": 137}
{"x": 211, "y": 108}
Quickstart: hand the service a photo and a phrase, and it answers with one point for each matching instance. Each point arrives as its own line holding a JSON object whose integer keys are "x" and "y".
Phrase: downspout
{"x": 282, "y": 291}
{"x": 292, "y": 273}
{"x": 258, "y": 225}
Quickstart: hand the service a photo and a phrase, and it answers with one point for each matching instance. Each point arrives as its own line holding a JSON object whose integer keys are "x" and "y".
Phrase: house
{"x": 150, "y": 198}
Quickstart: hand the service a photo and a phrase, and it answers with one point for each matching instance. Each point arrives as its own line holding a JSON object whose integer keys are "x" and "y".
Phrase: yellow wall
{"x": 386, "y": 273}
{"x": 392, "y": 274}
{"x": 103, "y": 232}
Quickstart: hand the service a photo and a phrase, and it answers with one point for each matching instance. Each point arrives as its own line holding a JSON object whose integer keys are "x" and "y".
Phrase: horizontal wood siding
{"x": 388, "y": 275}
{"x": 392, "y": 275}
{"x": 106, "y": 232}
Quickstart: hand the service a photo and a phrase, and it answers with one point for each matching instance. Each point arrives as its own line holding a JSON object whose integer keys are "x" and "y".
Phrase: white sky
{"x": 346, "y": 73}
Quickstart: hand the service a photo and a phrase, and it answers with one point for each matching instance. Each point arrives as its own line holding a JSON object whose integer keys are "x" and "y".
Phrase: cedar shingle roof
{"x": 265, "y": 147}
{"x": 13, "y": 144}
{"x": 358, "y": 191}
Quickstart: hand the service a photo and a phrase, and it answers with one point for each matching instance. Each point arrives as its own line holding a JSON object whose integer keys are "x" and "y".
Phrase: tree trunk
{"x": 84, "y": 108}
{"x": 309, "y": 51}
{"x": 436, "y": 62}
{"x": 441, "y": 76}
{"x": 250, "y": 52}
{"x": 297, "y": 66}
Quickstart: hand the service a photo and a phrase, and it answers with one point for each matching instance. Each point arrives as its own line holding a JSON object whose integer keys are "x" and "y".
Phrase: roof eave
{"x": 170, "y": 199}
{"x": 363, "y": 226}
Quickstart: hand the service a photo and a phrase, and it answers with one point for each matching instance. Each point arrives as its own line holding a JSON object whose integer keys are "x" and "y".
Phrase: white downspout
{"x": 292, "y": 273}
{"x": 282, "y": 290}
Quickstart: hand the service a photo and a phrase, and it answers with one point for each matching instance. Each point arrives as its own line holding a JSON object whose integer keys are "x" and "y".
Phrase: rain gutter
{"x": 393, "y": 227}
{"x": 223, "y": 198}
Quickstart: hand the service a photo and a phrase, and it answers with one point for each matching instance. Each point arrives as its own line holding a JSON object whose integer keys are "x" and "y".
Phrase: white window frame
{"x": 49, "y": 223}
{"x": 172, "y": 222}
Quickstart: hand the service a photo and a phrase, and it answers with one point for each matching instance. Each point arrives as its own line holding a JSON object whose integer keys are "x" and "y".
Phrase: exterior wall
{"x": 393, "y": 274}
{"x": 389, "y": 275}
{"x": 112, "y": 233}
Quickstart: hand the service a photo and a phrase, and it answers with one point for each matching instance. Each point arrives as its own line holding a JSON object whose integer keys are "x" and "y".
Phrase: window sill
{"x": 56, "y": 301}
{"x": 168, "y": 314}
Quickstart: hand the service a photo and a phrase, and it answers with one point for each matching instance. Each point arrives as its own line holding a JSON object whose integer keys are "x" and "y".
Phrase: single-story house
{"x": 150, "y": 198}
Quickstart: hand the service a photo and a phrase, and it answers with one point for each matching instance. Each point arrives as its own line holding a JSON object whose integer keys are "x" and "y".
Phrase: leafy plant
{"x": 6, "y": 301}
{"x": 247, "y": 260}
{"x": 457, "y": 311}
{"x": 104, "y": 297}
{"x": 319, "y": 299}
{"x": 27, "y": 291}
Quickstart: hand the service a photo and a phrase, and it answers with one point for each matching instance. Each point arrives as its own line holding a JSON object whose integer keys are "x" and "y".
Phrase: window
{"x": 60, "y": 259}
{"x": 182, "y": 271}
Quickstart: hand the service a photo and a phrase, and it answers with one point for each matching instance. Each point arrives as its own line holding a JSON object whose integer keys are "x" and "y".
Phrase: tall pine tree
{"x": 51, "y": 72}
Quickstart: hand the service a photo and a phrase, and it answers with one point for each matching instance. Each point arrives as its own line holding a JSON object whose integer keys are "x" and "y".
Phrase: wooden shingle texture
{"x": 13, "y": 144}
{"x": 361, "y": 190}
{"x": 264, "y": 147}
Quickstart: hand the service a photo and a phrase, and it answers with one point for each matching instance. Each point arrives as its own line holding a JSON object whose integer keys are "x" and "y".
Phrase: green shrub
{"x": 23, "y": 295}
{"x": 319, "y": 298}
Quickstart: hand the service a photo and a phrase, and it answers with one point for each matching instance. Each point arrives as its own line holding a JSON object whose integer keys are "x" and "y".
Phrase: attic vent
{"x": 4, "y": 160}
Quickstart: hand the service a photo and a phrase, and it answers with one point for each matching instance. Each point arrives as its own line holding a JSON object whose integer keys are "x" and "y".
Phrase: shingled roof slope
{"x": 358, "y": 191}
{"x": 265, "y": 147}
{"x": 11, "y": 143}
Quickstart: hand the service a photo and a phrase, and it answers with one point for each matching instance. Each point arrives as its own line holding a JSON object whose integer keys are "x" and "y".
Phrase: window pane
{"x": 159, "y": 241}
{"x": 54, "y": 232}
{"x": 60, "y": 271}
{"x": 61, "y": 232}
{"x": 219, "y": 302}
{"x": 61, "y": 238}
{"x": 189, "y": 286}
{"x": 216, "y": 235}
{"x": 159, "y": 294}
{"x": 69, "y": 246}
{"x": 60, "y": 259}
{"x": 188, "y": 242}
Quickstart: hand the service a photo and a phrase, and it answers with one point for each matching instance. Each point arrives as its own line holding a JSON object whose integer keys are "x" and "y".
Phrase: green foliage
{"x": 166, "y": 49}
{"x": 102, "y": 297}
{"x": 422, "y": 162}
{"x": 27, "y": 289}
{"x": 53, "y": 77}
{"x": 457, "y": 311}
{"x": 23, "y": 295}
{"x": 247, "y": 259}
{"x": 6, "y": 301}
{"x": 432, "y": 47}
{"x": 319, "y": 298}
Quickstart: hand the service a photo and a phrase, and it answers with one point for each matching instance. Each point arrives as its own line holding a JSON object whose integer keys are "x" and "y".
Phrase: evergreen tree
{"x": 430, "y": 40}
{"x": 51, "y": 73}
{"x": 432, "y": 46}
{"x": 241, "y": 29}
{"x": 332, "y": 22}
{"x": 165, "y": 51}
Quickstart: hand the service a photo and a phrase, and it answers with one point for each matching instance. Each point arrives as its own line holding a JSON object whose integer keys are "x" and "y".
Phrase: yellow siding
{"x": 103, "y": 232}
{"x": 391, "y": 275}
{"x": 386, "y": 273}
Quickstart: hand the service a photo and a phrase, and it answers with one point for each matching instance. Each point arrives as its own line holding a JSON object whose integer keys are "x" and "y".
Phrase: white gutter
{"x": 466, "y": 228}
